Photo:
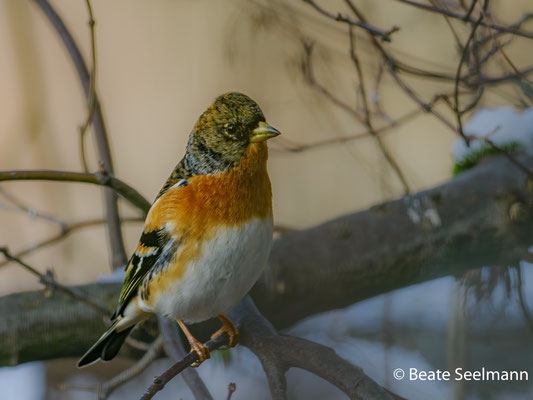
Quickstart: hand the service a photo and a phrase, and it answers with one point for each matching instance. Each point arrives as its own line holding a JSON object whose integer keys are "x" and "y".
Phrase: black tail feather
{"x": 107, "y": 347}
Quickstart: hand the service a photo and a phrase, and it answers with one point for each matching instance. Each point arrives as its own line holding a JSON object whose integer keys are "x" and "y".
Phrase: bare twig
{"x": 367, "y": 115}
{"x": 470, "y": 10}
{"x": 92, "y": 88}
{"x": 118, "y": 254}
{"x": 66, "y": 229}
{"x": 98, "y": 178}
{"x": 456, "y": 109}
{"x": 521, "y": 166}
{"x": 298, "y": 147}
{"x": 49, "y": 281}
{"x": 154, "y": 351}
{"x": 361, "y": 24}
{"x": 307, "y": 67}
{"x": 468, "y": 18}
{"x": 161, "y": 380}
{"x": 232, "y": 387}
{"x": 392, "y": 67}
{"x": 502, "y": 51}
{"x": 30, "y": 211}
{"x": 174, "y": 349}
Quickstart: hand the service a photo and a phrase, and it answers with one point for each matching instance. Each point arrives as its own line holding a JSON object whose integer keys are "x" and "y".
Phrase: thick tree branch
{"x": 51, "y": 283}
{"x": 280, "y": 352}
{"x": 464, "y": 224}
{"x": 277, "y": 353}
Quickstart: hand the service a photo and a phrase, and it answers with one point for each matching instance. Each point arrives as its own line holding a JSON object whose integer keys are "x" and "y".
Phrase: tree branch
{"x": 174, "y": 349}
{"x": 464, "y": 224}
{"x": 97, "y": 178}
{"x": 49, "y": 282}
{"x": 361, "y": 24}
{"x": 118, "y": 254}
{"x": 161, "y": 380}
{"x": 468, "y": 18}
{"x": 66, "y": 229}
{"x": 280, "y": 352}
{"x": 277, "y": 353}
{"x": 461, "y": 225}
{"x": 153, "y": 352}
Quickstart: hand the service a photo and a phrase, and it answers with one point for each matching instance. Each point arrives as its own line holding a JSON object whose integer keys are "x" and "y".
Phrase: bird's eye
{"x": 229, "y": 129}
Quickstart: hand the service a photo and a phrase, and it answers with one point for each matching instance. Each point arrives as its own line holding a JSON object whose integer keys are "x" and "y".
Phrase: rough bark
{"x": 482, "y": 217}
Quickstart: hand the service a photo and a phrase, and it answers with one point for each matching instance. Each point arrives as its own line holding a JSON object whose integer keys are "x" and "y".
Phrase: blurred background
{"x": 160, "y": 63}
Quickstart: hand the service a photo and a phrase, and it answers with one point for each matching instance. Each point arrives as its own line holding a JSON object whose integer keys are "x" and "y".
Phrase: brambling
{"x": 208, "y": 233}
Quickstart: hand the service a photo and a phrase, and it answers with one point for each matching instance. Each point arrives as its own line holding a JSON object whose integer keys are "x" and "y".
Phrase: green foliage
{"x": 472, "y": 158}
{"x": 222, "y": 355}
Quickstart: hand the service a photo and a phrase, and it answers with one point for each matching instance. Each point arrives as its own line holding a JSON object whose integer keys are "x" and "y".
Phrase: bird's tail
{"x": 107, "y": 347}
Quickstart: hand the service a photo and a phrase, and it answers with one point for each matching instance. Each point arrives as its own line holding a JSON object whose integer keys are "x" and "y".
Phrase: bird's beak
{"x": 263, "y": 132}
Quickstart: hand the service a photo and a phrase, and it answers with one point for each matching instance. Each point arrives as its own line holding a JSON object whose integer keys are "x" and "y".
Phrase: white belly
{"x": 227, "y": 269}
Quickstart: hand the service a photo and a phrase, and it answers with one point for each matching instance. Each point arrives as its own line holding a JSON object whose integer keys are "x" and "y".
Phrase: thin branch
{"x": 49, "y": 281}
{"x": 154, "y": 351}
{"x": 98, "y": 178}
{"x": 392, "y": 66}
{"x": 470, "y": 10}
{"x": 66, "y": 230}
{"x": 298, "y": 147}
{"x": 368, "y": 119}
{"x": 468, "y": 18}
{"x": 232, "y": 387}
{"x": 161, "y": 380}
{"x": 502, "y": 51}
{"x": 92, "y": 88}
{"x": 307, "y": 67}
{"x": 361, "y": 24}
{"x": 174, "y": 349}
{"x": 457, "y": 111}
{"x": 30, "y": 211}
{"x": 521, "y": 166}
{"x": 118, "y": 254}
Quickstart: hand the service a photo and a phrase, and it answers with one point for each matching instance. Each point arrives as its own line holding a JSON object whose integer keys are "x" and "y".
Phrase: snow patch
{"x": 501, "y": 125}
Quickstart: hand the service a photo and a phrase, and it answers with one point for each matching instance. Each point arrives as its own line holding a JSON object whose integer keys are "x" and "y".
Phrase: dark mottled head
{"x": 221, "y": 137}
{"x": 224, "y": 131}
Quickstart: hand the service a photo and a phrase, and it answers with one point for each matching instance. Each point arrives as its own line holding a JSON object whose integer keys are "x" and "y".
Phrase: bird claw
{"x": 202, "y": 351}
{"x": 229, "y": 328}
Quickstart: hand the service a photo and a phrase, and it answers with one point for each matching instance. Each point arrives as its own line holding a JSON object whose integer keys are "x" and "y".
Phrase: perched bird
{"x": 208, "y": 233}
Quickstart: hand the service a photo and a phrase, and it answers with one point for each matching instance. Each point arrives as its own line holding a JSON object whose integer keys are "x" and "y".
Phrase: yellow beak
{"x": 263, "y": 132}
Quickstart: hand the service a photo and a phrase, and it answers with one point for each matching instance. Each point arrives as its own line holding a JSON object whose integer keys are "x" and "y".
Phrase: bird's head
{"x": 228, "y": 126}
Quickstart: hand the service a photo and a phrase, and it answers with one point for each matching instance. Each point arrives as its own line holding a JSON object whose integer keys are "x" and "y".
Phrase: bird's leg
{"x": 228, "y": 328}
{"x": 201, "y": 349}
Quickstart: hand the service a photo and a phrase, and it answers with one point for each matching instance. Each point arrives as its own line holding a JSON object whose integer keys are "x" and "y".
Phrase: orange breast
{"x": 229, "y": 199}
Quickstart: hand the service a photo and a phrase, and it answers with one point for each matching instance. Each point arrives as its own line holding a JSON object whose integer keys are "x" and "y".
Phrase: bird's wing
{"x": 155, "y": 250}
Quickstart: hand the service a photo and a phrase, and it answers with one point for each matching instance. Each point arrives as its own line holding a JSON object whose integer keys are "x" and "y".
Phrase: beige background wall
{"x": 160, "y": 63}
